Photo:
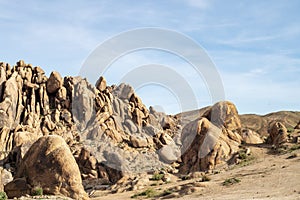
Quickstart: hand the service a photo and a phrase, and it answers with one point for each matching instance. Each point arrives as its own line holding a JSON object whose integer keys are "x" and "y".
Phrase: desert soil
{"x": 269, "y": 176}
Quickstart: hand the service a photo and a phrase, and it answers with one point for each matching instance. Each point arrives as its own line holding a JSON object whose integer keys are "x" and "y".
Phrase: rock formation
{"x": 49, "y": 164}
{"x": 278, "y": 133}
{"x": 61, "y": 132}
{"x": 208, "y": 143}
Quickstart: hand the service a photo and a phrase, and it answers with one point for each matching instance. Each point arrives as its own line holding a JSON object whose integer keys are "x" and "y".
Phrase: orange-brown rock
{"x": 49, "y": 164}
{"x": 54, "y": 82}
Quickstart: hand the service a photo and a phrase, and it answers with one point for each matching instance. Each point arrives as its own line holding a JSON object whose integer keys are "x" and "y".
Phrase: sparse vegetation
{"x": 242, "y": 155}
{"x": 294, "y": 147}
{"x": 157, "y": 177}
{"x": 38, "y": 191}
{"x": 231, "y": 181}
{"x": 149, "y": 193}
{"x": 3, "y": 196}
{"x": 244, "y": 158}
{"x": 286, "y": 149}
{"x": 290, "y": 130}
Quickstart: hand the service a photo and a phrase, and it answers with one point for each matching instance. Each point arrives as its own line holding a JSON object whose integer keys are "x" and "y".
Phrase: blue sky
{"x": 254, "y": 44}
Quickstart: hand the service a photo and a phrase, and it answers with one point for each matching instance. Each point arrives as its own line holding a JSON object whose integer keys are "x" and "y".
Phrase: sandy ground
{"x": 268, "y": 177}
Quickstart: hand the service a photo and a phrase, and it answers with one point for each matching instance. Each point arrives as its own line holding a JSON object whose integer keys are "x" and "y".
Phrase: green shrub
{"x": 149, "y": 193}
{"x": 242, "y": 155}
{"x": 3, "y": 196}
{"x": 290, "y": 130}
{"x": 231, "y": 181}
{"x": 157, "y": 177}
{"x": 38, "y": 191}
{"x": 295, "y": 147}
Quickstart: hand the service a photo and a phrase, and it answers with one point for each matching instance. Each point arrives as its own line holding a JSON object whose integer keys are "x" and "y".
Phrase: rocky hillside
{"x": 260, "y": 123}
{"x": 68, "y": 137}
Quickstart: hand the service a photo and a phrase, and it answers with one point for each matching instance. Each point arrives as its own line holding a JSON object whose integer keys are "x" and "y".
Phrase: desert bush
{"x": 231, "y": 181}
{"x": 290, "y": 130}
{"x": 149, "y": 193}
{"x": 3, "y": 196}
{"x": 157, "y": 177}
{"x": 38, "y": 191}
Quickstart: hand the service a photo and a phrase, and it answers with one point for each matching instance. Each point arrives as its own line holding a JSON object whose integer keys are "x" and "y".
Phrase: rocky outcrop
{"x": 210, "y": 139}
{"x": 104, "y": 132}
{"x": 206, "y": 145}
{"x": 49, "y": 164}
{"x": 251, "y": 137}
{"x": 277, "y": 133}
{"x": 224, "y": 115}
{"x": 54, "y": 83}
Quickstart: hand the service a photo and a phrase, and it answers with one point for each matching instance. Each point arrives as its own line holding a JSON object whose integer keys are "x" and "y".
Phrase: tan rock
{"x": 277, "y": 133}
{"x": 50, "y": 165}
{"x": 138, "y": 142}
{"x": 224, "y": 114}
{"x": 54, "y": 82}
{"x": 101, "y": 84}
{"x": 251, "y": 137}
{"x": 205, "y": 145}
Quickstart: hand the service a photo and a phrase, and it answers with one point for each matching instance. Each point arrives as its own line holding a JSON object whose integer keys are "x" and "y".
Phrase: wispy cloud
{"x": 254, "y": 45}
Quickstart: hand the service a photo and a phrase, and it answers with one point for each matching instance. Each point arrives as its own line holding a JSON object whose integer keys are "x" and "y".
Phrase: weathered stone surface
{"x": 224, "y": 114}
{"x": 54, "y": 82}
{"x": 6, "y": 142}
{"x": 251, "y": 137}
{"x": 123, "y": 91}
{"x": 2, "y": 80}
{"x": 11, "y": 107}
{"x": 204, "y": 146}
{"x": 50, "y": 165}
{"x": 277, "y": 133}
{"x": 167, "y": 153}
{"x": 17, "y": 188}
{"x": 101, "y": 84}
{"x": 83, "y": 109}
{"x": 138, "y": 141}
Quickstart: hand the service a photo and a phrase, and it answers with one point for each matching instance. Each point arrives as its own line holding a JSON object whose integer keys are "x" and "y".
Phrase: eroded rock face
{"x": 49, "y": 164}
{"x": 277, "y": 133}
{"x": 224, "y": 114}
{"x": 206, "y": 145}
{"x": 108, "y": 130}
{"x": 251, "y": 137}
{"x": 101, "y": 84}
{"x": 54, "y": 82}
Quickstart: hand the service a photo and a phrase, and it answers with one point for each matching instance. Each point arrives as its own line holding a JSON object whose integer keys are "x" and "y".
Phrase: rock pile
{"x": 60, "y": 133}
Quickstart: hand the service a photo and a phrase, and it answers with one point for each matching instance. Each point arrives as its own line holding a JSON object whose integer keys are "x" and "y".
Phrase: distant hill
{"x": 259, "y": 123}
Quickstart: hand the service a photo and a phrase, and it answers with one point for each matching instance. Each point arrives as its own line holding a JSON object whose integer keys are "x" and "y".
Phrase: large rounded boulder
{"x": 50, "y": 165}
